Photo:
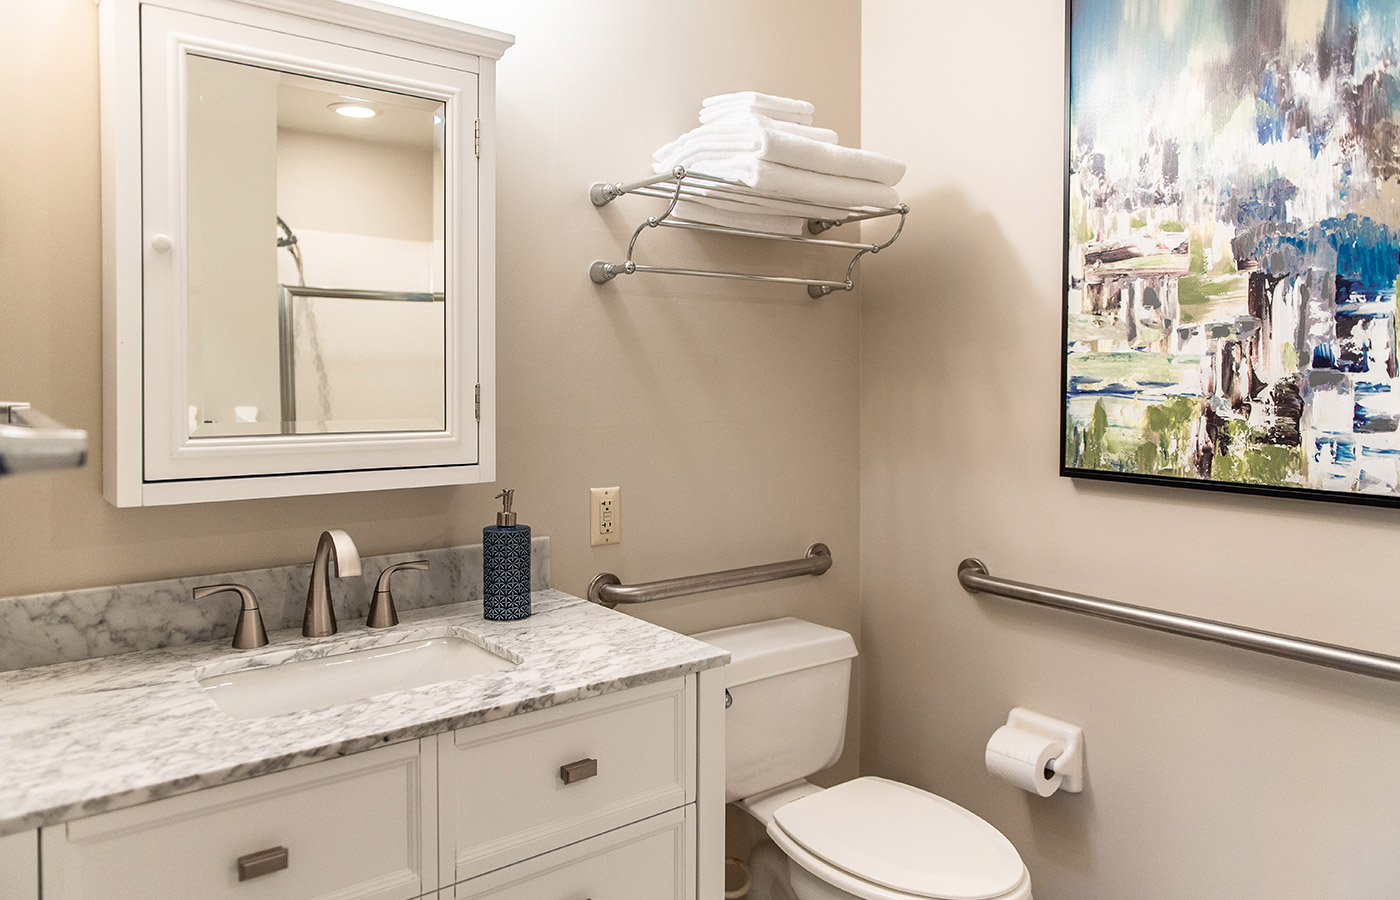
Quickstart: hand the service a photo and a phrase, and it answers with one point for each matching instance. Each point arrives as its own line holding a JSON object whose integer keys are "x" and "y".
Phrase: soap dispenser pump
{"x": 505, "y": 571}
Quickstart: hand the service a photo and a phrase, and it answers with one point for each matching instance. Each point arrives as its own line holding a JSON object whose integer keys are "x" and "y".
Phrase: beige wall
{"x": 1212, "y": 772}
{"x": 727, "y": 412}
{"x": 329, "y": 182}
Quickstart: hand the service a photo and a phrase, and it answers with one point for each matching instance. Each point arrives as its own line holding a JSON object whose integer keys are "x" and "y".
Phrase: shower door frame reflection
{"x": 286, "y": 327}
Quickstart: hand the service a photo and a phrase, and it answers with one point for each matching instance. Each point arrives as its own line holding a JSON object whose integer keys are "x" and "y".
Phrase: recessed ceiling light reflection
{"x": 354, "y": 110}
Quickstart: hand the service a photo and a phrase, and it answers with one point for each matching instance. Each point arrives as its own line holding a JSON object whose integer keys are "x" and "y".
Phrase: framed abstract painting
{"x": 1232, "y": 245}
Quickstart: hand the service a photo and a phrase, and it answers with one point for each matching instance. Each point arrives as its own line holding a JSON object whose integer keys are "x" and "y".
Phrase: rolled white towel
{"x": 792, "y": 150}
{"x": 801, "y": 184}
{"x": 703, "y": 212}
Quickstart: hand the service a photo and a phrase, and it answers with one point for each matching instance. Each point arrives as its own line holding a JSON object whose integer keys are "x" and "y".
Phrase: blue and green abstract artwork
{"x": 1233, "y": 245}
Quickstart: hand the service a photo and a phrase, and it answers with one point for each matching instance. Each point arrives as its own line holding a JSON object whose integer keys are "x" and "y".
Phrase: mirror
{"x": 298, "y": 250}
{"x": 316, "y": 255}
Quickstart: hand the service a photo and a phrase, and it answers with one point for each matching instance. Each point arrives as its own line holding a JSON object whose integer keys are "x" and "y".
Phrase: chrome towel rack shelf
{"x": 32, "y": 442}
{"x": 974, "y": 577}
{"x": 682, "y": 184}
{"x": 606, "y": 589}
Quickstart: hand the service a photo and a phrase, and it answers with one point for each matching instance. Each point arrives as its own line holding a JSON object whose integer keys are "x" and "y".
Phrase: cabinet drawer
{"x": 648, "y": 860}
{"x": 352, "y": 828}
{"x": 506, "y": 795}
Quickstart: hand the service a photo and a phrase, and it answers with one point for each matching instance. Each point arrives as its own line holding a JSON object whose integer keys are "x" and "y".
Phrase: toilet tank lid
{"x": 778, "y": 646}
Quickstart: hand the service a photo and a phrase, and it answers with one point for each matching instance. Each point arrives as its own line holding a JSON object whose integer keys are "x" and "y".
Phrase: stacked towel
{"x": 769, "y": 144}
{"x": 797, "y": 111}
{"x": 744, "y": 217}
{"x": 738, "y": 134}
{"x": 698, "y": 146}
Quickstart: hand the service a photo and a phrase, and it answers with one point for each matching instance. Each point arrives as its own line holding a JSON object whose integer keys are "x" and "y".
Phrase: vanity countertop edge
{"x": 86, "y": 737}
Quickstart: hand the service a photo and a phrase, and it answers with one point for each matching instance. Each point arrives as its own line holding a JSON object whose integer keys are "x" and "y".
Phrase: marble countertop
{"x": 80, "y": 738}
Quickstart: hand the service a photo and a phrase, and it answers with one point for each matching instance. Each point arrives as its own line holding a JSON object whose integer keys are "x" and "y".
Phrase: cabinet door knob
{"x": 161, "y": 243}
{"x": 264, "y": 862}
{"x": 578, "y": 771}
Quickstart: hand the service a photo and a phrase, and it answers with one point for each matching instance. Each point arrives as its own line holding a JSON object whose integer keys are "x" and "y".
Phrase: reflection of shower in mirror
{"x": 286, "y": 238}
{"x": 306, "y": 313}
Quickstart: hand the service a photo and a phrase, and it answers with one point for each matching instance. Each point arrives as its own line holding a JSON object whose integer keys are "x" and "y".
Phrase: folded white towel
{"x": 737, "y": 135}
{"x": 706, "y": 214}
{"x": 710, "y": 114}
{"x": 761, "y": 101}
{"x": 760, "y": 205}
{"x": 788, "y": 150}
{"x": 832, "y": 159}
{"x": 748, "y": 119}
{"x": 749, "y": 125}
{"x": 799, "y": 183}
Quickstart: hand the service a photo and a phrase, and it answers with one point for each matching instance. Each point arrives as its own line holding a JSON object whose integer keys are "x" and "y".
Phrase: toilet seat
{"x": 883, "y": 840}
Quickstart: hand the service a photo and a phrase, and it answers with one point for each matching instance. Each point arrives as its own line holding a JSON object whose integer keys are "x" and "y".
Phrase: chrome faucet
{"x": 334, "y": 548}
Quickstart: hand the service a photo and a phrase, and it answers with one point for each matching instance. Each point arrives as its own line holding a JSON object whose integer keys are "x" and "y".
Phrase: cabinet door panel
{"x": 19, "y": 866}
{"x": 648, "y": 860}
{"x": 506, "y": 796}
{"x": 352, "y": 829}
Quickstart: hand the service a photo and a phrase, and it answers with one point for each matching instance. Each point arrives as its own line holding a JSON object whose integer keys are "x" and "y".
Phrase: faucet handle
{"x": 249, "y": 632}
{"x": 382, "y": 613}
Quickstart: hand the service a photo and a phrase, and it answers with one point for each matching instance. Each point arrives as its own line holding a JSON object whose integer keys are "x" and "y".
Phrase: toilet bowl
{"x": 868, "y": 838}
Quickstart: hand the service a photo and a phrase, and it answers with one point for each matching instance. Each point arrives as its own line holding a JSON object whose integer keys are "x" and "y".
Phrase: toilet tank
{"x": 789, "y": 681}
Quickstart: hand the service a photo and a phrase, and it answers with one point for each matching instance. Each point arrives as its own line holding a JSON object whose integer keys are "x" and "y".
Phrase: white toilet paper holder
{"x": 1069, "y": 765}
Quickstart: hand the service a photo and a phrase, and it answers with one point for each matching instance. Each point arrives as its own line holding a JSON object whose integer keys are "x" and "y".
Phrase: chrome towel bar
{"x": 973, "y": 576}
{"x": 606, "y": 589}
{"x": 681, "y": 184}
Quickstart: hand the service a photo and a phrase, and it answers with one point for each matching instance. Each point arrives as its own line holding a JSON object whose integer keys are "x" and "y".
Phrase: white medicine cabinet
{"x": 299, "y": 249}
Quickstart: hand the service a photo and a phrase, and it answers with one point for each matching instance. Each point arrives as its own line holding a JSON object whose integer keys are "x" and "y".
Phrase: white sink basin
{"x": 313, "y": 683}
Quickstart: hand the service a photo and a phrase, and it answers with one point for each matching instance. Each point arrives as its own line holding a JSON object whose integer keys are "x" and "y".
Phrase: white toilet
{"x": 869, "y": 838}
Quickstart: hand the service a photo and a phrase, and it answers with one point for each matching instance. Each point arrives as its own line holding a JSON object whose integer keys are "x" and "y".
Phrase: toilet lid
{"x": 904, "y": 839}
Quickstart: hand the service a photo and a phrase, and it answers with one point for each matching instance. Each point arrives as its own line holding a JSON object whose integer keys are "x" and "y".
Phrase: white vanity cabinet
{"x": 19, "y": 866}
{"x": 615, "y": 797}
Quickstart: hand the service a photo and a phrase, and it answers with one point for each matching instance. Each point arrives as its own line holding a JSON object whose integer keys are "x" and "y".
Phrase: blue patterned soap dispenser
{"x": 505, "y": 571}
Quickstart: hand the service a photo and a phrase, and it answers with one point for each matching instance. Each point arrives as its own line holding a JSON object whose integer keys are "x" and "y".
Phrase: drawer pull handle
{"x": 578, "y": 771}
{"x": 264, "y": 862}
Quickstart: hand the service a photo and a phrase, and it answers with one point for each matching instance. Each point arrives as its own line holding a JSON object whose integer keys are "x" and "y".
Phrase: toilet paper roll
{"x": 1020, "y": 757}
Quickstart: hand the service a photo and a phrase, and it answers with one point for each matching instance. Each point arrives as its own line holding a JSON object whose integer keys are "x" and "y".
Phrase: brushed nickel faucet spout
{"x": 333, "y": 549}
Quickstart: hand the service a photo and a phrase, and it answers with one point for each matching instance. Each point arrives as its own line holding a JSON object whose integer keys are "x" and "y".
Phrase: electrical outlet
{"x": 606, "y": 515}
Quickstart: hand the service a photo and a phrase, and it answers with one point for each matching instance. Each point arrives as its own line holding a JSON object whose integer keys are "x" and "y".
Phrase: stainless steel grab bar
{"x": 973, "y": 576}
{"x": 606, "y": 589}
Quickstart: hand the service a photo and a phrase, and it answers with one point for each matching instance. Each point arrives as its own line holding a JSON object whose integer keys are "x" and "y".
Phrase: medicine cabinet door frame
{"x": 149, "y": 456}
